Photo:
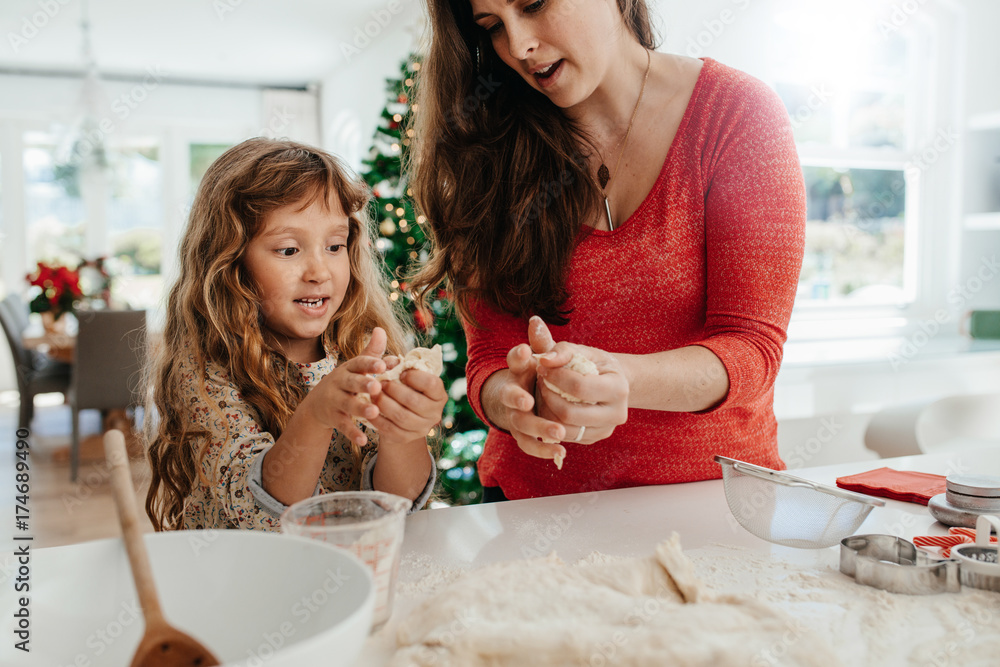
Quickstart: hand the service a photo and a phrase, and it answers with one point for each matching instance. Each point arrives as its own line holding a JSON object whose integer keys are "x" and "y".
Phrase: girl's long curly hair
{"x": 214, "y": 310}
{"x": 499, "y": 171}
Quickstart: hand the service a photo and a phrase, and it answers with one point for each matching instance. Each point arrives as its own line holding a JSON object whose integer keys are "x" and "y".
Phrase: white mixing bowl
{"x": 253, "y": 598}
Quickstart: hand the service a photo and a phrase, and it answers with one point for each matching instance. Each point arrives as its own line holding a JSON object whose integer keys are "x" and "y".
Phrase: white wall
{"x": 983, "y": 56}
{"x": 354, "y": 95}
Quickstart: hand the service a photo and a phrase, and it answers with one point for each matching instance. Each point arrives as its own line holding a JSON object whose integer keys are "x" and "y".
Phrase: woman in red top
{"x": 648, "y": 207}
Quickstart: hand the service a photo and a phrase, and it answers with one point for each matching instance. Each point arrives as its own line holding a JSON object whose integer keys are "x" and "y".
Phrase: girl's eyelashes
{"x": 535, "y": 6}
{"x": 290, "y": 252}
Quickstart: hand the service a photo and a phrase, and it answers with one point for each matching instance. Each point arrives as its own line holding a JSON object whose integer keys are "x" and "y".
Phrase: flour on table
{"x": 752, "y": 608}
{"x": 865, "y": 625}
{"x": 632, "y": 611}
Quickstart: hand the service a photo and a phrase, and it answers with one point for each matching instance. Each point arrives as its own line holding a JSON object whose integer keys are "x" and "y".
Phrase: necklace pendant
{"x": 603, "y": 175}
{"x": 607, "y": 208}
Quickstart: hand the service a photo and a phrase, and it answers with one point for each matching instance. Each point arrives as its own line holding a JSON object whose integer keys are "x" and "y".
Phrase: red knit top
{"x": 711, "y": 257}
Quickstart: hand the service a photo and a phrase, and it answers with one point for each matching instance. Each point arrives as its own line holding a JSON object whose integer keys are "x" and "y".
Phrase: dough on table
{"x": 635, "y": 612}
{"x": 427, "y": 359}
{"x": 583, "y": 366}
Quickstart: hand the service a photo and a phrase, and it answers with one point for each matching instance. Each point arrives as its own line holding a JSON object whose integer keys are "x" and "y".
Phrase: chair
{"x": 928, "y": 426}
{"x": 110, "y": 354}
{"x": 892, "y": 431}
{"x": 36, "y": 373}
{"x": 959, "y": 421}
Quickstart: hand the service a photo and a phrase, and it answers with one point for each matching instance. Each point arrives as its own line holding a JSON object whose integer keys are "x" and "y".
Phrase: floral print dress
{"x": 228, "y": 491}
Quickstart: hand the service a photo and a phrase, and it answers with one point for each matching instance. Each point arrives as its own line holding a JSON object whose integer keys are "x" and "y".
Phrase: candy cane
{"x": 956, "y": 535}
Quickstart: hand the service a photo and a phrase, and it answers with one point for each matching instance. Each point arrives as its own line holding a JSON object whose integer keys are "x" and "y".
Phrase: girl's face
{"x": 300, "y": 264}
{"x": 555, "y": 45}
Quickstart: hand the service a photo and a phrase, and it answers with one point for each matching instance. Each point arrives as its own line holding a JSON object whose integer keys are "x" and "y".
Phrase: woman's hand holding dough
{"x": 517, "y": 399}
{"x": 602, "y": 403}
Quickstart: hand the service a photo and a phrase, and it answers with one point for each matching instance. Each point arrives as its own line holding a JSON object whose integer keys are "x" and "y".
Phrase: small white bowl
{"x": 252, "y": 598}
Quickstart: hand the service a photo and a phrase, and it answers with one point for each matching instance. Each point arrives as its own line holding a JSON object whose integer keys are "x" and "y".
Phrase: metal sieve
{"x": 789, "y": 510}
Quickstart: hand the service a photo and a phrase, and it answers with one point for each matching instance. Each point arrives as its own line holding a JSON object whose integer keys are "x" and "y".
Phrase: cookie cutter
{"x": 980, "y": 568}
{"x": 893, "y": 564}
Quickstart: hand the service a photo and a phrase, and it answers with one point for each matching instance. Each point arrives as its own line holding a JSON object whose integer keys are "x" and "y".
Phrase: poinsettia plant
{"x": 60, "y": 289}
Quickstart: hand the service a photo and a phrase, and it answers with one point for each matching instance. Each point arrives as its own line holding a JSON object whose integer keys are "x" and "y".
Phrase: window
{"x": 855, "y": 236}
{"x": 135, "y": 221}
{"x": 202, "y": 155}
{"x": 54, "y": 208}
{"x": 854, "y": 99}
{"x": 112, "y": 209}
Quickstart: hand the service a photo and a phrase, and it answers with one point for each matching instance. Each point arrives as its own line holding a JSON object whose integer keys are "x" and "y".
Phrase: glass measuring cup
{"x": 369, "y": 524}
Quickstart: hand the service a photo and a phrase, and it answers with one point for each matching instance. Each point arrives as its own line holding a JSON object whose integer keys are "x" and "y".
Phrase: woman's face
{"x": 558, "y": 46}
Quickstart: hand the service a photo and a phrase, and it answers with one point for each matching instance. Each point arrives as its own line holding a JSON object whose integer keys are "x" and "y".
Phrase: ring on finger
{"x": 579, "y": 436}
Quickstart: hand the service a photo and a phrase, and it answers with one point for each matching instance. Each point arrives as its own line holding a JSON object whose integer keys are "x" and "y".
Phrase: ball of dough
{"x": 430, "y": 360}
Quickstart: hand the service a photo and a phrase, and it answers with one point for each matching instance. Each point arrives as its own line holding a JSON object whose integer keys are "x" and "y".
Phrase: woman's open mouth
{"x": 548, "y": 76}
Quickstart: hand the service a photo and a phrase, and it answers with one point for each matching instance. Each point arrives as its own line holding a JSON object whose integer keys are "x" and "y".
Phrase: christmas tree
{"x": 403, "y": 245}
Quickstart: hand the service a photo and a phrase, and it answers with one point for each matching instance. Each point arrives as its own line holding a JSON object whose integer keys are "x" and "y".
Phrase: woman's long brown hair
{"x": 499, "y": 171}
{"x": 214, "y": 311}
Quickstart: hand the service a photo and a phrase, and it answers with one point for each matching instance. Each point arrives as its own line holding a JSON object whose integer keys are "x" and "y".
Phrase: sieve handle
{"x": 791, "y": 480}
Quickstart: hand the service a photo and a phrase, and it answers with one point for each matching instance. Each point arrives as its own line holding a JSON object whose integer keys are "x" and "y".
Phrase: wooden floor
{"x": 61, "y": 512}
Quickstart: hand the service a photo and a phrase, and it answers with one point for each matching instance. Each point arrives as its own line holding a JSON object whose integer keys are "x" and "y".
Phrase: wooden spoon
{"x": 162, "y": 644}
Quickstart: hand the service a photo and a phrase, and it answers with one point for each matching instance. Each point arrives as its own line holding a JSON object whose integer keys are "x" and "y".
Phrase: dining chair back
{"x": 110, "y": 353}
{"x": 929, "y": 426}
{"x": 892, "y": 431}
{"x": 36, "y": 373}
{"x": 18, "y": 310}
{"x": 14, "y": 329}
{"x": 955, "y": 422}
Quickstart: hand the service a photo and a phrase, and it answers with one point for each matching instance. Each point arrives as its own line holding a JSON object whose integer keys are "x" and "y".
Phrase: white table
{"x": 630, "y": 522}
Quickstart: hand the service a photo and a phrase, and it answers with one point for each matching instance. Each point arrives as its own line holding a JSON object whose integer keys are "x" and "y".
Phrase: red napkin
{"x": 910, "y": 487}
